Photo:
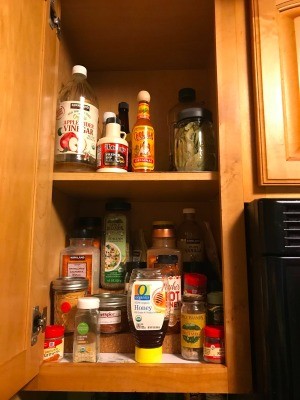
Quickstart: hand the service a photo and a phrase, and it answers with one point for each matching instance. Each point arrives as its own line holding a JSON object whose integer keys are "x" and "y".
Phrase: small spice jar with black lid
{"x": 113, "y": 313}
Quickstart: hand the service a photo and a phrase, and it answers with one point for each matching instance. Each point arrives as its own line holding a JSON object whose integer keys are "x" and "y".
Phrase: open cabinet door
{"x": 27, "y": 82}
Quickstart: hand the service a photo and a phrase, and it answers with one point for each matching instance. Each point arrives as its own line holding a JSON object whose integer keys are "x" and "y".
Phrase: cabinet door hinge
{"x": 54, "y": 20}
{"x": 39, "y": 321}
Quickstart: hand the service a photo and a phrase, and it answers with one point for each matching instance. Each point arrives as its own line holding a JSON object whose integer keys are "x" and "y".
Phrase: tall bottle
{"x": 76, "y": 124}
{"x": 123, "y": 110}
{"x": 143, "y": 145}
{"x": 190, "y": 241}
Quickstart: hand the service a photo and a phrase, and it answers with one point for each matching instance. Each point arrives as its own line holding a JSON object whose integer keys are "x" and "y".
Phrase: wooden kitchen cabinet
{"x": 126, "y": 47}
{"x": 276, "y": 49}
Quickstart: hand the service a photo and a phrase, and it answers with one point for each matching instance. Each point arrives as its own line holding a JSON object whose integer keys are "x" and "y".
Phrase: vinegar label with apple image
{"x": 76, "y": 129}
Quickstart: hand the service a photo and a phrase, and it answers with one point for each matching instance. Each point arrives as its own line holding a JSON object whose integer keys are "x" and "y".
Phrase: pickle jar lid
{"x": 69, "y": 283}
{"x": 112, "y": 299}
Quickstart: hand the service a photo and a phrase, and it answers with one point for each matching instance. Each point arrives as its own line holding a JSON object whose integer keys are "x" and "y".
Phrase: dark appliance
{"x": 273, "y": 251}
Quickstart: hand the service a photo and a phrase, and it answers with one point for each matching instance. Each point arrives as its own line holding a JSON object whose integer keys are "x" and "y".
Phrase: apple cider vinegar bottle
{"x": 76, "y": 124}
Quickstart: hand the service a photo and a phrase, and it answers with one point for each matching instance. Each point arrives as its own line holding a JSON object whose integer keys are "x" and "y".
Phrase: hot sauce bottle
{"x": 143, "y": 158}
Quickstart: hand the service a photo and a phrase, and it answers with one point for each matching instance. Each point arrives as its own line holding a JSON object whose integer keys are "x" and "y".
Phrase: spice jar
{"x": 66, "y": 292}
{"x": 85, "y": 342}
{"x": 194, "y": 283}
{"x": 193, "y": 319}
{"x": 194, "y": 141}
{"x": 113, "y": 313}
{"x": 54, "y": 343}
{"x": 213, "y": 348}
{"x": 215, "y": 312}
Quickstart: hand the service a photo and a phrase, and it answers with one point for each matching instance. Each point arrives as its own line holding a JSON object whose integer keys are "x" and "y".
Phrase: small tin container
{"x": 54, "y": 343}
{"x": 213, "y": 347}
{"x": 113, "y": 313}
{"x": 66, "y": 292}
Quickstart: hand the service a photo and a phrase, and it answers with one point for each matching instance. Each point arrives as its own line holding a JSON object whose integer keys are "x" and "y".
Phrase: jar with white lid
{"x": 194, "y": 141}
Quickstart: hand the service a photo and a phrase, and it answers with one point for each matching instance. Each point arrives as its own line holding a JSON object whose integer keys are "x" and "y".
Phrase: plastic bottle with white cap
{"x": 76, "y": 124}
{"x": 86, "y": 337}
{"x": 112, "y": 149}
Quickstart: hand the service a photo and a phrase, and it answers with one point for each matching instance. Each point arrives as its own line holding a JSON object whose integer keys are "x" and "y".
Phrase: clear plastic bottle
{"x": 115, "y": 244}
{"x": 76, "y": 124}
{"x": 143, "y": 144}
{"x": 168, "y": 265}
{"x": 190, "y": 241}
{"x": 148, "y": 313}
{"x": 86, "y": 336}
{"x": 163, "y": 242}
{"x": 81, "y": 259}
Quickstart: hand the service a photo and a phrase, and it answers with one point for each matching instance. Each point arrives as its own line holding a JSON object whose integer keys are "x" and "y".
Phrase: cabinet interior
{"x": 127, "y": 49}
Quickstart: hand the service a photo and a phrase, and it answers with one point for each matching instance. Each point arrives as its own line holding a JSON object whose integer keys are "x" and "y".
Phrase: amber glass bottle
{"x": 143, "y": 158}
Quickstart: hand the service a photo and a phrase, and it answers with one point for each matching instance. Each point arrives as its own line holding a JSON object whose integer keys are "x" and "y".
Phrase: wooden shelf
{"x": 128, "y": 377}
{"x": 154, "y": 186}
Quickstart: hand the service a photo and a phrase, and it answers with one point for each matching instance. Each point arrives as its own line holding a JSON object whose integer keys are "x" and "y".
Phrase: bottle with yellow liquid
{"x": 143, "y": 158}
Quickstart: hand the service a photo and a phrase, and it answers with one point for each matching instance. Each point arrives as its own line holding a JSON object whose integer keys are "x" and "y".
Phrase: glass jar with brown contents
{"x": 112, "y": 313}
{"x": 66, "y": 292}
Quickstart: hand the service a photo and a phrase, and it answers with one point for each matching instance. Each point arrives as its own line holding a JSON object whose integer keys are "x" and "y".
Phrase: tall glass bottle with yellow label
{"x": 143, "y": 157}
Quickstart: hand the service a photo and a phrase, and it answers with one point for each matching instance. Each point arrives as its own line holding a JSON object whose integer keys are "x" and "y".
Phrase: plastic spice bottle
{"x": 190, "y": 241}
{"x": 81, "y": 259}
{"x": 193, "y": 320}
{"x": 213, "y": 347}
{"x": 54, "y": 343}
{"x": 66, "y": 292}
{"x": 168, "y": 265}
{"x": 163, "y": 242}
{"x": 148, "y": 313}
{"x": 215, "y": 312}
{"x": 76, "y": 124}
{"x": 85, "y": 342}
{"x": 143, "y": 144}
{"x": 112, "y": 149}
{"x": 116, "y": 244}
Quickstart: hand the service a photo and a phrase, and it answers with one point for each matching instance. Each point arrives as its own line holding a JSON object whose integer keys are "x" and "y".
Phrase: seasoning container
{"x": 148, "y": 313}
{"x": 194, "y": 141}
{"x": 193, "y": 319}
{"x": 215, "y": 312}
{"x": 54, "y": 343}
{"x": 113, "y": 313}
{"x": 168, "y": 265}
{"x": 92, "y": 224}
{"x": 66, "y": 292}
{"x": 112, "y": 149}
{"x": 194, "y": 283}
{"x": 163, "y": 242}
{"x": 85, "y": 342}
{"x": 81, "y": 259}
{"x": 213, "y": 347}
{"x": 116, "y": 244}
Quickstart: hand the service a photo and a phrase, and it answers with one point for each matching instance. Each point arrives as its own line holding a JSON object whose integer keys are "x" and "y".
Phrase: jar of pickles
{"x": 194, "y": 141}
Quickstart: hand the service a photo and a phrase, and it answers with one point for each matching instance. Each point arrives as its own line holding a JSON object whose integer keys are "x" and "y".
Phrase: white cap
{"x": 143, "y": 95}
{"x": 87, "y": 303}
{"x": 188, "y": 211}
{"x": 79, "y": 69}
{"x": 108, "y": 114}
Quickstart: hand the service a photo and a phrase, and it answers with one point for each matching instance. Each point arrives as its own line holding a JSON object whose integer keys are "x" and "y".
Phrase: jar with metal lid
{"x": 215, "y": 312}
{"x": 194, "y": 141}
{"x": 112, "y": 316}
{"x": 66, "y": 292}
{"x": 193, "y": 320}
